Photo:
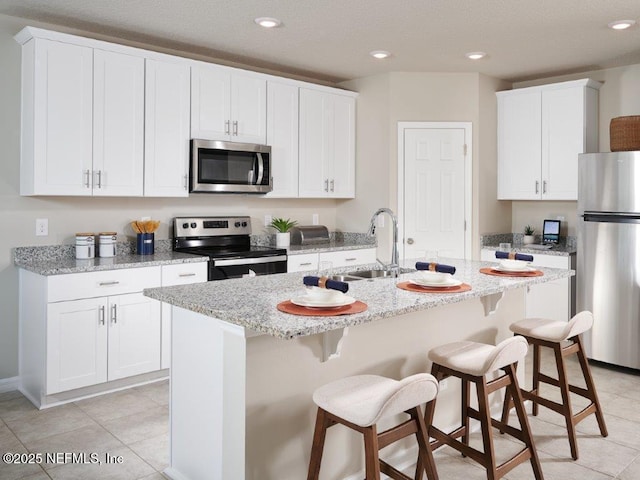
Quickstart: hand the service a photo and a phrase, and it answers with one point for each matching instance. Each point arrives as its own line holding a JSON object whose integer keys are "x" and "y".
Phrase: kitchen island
{"x": 243, "y": 373}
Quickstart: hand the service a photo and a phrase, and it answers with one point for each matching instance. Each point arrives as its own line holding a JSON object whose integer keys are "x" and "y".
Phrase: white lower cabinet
{"x": 551, "y": 300}
{"x": 340, "y": 258}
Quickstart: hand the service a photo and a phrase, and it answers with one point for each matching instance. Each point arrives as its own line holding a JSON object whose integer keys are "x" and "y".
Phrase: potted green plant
{"x": 528, "y": 235}
{"x": 282, "y": 227}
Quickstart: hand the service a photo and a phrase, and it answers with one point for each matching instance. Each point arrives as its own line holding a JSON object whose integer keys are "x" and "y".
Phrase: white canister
{"x": 85, "y": 246}
{"x": 107, "y": 244}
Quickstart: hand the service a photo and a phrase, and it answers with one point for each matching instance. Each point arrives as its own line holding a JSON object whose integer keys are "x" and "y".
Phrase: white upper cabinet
{"x": 118, "y": 124}
{"x": 541, "y": 131}
{"x": 166, "y": 137}
{"x": 282, "y": 137}
{"x": 57, "y": 113}
{"x": 327, "y": 145}
{"x": 226, "y": 105}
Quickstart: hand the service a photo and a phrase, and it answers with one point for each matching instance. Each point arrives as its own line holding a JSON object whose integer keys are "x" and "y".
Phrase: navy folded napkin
{"x": 515, "y": 256}
{"x": 437, "y": 267}
{"x": 324, "y": 282}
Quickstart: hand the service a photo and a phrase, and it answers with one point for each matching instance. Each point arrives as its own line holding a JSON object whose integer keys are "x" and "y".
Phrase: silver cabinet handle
{"x": 99, "y": 175}
{"x": 101, "y": 315}
{"x": 187, "y": 275}
{"x": 87, "y": 178}
{"x": 114, "y": 313}
{"x": 305, "y": 264}
{"x": 326, "y": 184}
{"x": 544, "y": 186}
{"x": 186, "y": 181}
{"x": 332, "y": 184}
{"x": 409, "y": 241}
{"x": 537, "y": 186}
{"x": 351, "y": 259}
{"x": 104, "y": 284}
{"x": 226, "y": 127}
{"x": 235, "y": 127}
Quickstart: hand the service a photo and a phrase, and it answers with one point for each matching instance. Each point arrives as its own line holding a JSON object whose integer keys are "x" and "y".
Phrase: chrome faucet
{"x": 395, "y": 261}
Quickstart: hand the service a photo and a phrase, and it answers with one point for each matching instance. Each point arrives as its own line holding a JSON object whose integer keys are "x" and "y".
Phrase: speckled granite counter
{"x": 562, "y": 250}
{"x": 566, "y": 247}
{"x": 332, "y": 246}
{"x": 251, "y": 302}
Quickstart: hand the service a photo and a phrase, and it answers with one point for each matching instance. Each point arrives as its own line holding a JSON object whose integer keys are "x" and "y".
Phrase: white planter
{"x": 528, "y": 239}
{"x": 283, "y": 239}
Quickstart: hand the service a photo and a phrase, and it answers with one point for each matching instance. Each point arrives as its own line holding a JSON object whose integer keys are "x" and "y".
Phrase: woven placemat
{"x": 412, "y": 287}
{"x": 498, "y": 273}
{"x": 289, "y": 307}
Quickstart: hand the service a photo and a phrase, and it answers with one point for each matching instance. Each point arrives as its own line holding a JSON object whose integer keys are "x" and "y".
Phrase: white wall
{"x": 68, "y": 215}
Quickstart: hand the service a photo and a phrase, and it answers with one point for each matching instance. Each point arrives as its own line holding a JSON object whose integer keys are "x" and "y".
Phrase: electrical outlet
{"x": 267, "y": 220}
{"x": 315, "y": 219}
{"x": 42, "y": 227}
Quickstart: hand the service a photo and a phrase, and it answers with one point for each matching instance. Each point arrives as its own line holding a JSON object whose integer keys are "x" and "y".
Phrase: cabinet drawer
{"x": 99, "y": 284}
{"x": 184, "y": 273}
{"x": 552, "y": 261}
{"x": 346, "y": 258}
{"x": 302, "y": 263}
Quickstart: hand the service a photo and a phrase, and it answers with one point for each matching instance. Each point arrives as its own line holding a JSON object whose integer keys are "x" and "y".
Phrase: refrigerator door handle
{"x": 611, "y": 217}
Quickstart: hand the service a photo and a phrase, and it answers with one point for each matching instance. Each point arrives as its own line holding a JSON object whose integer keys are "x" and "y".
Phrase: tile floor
{"x": 134, "y": 424}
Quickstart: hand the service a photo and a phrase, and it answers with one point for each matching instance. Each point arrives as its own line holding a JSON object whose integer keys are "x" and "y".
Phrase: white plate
{"x": 513, "y": 265}
{"x": 500, "y": 268}
{"x": 451, "y": 282}
{"x": 310, "y": 301}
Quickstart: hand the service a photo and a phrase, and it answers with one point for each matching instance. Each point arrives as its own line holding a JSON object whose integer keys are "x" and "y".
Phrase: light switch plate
{"x": 267, "y": 220}
{"x": 315, "y": 219}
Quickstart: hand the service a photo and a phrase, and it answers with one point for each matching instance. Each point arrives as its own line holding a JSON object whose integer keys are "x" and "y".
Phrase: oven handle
{"x": 248, "y": 261}
{"x": 260, "y": 168}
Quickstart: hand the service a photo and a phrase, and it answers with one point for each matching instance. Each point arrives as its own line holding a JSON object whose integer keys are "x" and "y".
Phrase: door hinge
{"x": 465, "y": 149}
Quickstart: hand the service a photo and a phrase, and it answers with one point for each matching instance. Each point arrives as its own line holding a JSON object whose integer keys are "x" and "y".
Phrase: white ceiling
{"x": 330, "y": 40}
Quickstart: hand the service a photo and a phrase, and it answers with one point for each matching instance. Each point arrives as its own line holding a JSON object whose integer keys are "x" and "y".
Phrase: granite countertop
{"x": 558, "y": 250}
{"x": 333, "y": 246}
{"x": 251, "y": 302}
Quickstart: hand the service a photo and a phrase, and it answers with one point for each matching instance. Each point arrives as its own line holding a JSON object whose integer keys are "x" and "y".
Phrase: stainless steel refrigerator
{"x": 608, "y": 270}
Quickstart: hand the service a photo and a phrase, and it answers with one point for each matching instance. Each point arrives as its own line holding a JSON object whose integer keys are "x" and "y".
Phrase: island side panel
{"x": 207, "y": 423}
{"x": 282, "y": 375}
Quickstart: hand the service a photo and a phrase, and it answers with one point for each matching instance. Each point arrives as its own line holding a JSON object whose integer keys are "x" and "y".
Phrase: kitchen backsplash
{"x": 517, "y": 239}
{"x": 334, "y": 237}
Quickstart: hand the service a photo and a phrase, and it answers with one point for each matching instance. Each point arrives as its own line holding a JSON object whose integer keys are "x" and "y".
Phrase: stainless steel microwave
{"x": 230, "y": 167}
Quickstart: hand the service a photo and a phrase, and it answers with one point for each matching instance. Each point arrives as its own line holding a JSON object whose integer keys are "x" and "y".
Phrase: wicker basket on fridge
{"x": 624, "y": 133}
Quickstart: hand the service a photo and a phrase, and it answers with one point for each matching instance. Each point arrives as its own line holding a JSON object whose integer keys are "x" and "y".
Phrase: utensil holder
{"x": 145, "y": 244}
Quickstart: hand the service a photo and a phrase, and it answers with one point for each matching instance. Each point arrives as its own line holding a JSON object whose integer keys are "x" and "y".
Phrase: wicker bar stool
{"x": 359, "y": 402}
{"x": 471, "y": 362}
{"x": 564, "y": 338}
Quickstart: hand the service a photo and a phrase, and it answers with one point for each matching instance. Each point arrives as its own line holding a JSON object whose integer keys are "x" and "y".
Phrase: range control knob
{"x": 193, "y": 225}
{"x": 237, "y": 224}
{"x": 244, "y": 224}
{"x": 185, "y": 225}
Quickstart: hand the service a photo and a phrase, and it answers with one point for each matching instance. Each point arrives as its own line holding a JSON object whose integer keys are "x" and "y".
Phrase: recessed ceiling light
{"x": 268, "y": 22}
{"x": 475, "y": 55}
{"x": 380, "y": 54}
{"x": 622, "y": 24}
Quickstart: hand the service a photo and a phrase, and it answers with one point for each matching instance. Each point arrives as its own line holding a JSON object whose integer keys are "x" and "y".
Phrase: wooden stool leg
{"x": 566, "y": 400}
{"x": 322, "y": 423}
{"x": 425, "y": 453}
{"x": 591, "y": 387}
{"x": 514, "y": 391}
{"x": 485, "y": 424}
{"x": 466, "y": 404}
{"x": 535, "y": 386}
{"x": 372, "y": 462}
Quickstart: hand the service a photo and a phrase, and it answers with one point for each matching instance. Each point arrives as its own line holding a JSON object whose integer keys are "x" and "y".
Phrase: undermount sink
{"x": 377, "y": 273}
{"x": 345, "y": 278}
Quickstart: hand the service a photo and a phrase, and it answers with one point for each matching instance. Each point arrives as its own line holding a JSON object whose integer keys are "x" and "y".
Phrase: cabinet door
{"x": 118, "y": 124}
{"x": 282, "y": 136}
{"x": 210, "y": 103}
{"x": 563, "y": 138}
{"x": 134, "y": 335}
{"x": 57, "y": 102}
{"x": 302, "y": 263}
{"x": 248, "y": 109}
{"x": 315, "y": 113}
{"x": 76, "y": 344}
{"x": 347, "y": 258}
{"x": 342, "y": 148}
{"x": 519, "y": 150}
{"x": 167, "y": 113}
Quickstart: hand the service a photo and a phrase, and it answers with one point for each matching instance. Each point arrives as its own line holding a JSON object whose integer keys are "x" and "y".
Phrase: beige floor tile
{"x": 115, "y": 405}
{"x": 39, "y": 424}
{"x": 37, "y": 476}
{"x": 13, "y": 394}
{"x": 155, "y": 451}
{"x": 554, "y": 468}
{"x": 9, "y": 443}
{"x": 134, "y": 428}
{"x": 155, "y": 476}
{"x": 92, "y": 439}
{"x": 131, "y": 468}
{"x": 15, "y": 408}
{"x": 632, "y": 472}
{"x": 158, "y": 392}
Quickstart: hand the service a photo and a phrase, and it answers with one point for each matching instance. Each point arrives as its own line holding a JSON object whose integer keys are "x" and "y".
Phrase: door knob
{"x": 410, "y": 241}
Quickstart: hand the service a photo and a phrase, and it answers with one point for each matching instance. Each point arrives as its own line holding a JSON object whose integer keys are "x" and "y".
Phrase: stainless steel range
{"x": 226, "y": 241}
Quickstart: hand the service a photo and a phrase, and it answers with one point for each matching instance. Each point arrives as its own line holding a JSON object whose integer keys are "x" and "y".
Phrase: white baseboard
{"x": 9, "y": 384}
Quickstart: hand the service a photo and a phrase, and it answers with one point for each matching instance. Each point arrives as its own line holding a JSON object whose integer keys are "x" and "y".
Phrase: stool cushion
{"x": 365, "y": 399}
{"x": 479, "y": 358}
{"x": 553, "y": 330}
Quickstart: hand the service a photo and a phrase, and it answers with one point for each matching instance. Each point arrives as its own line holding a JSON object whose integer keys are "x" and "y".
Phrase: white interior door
{"x": 435, "y": 191}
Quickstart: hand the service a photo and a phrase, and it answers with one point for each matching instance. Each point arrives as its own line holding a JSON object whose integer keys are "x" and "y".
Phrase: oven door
{"x": 218, "y": 166}
{"x": 226, "y": 268}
